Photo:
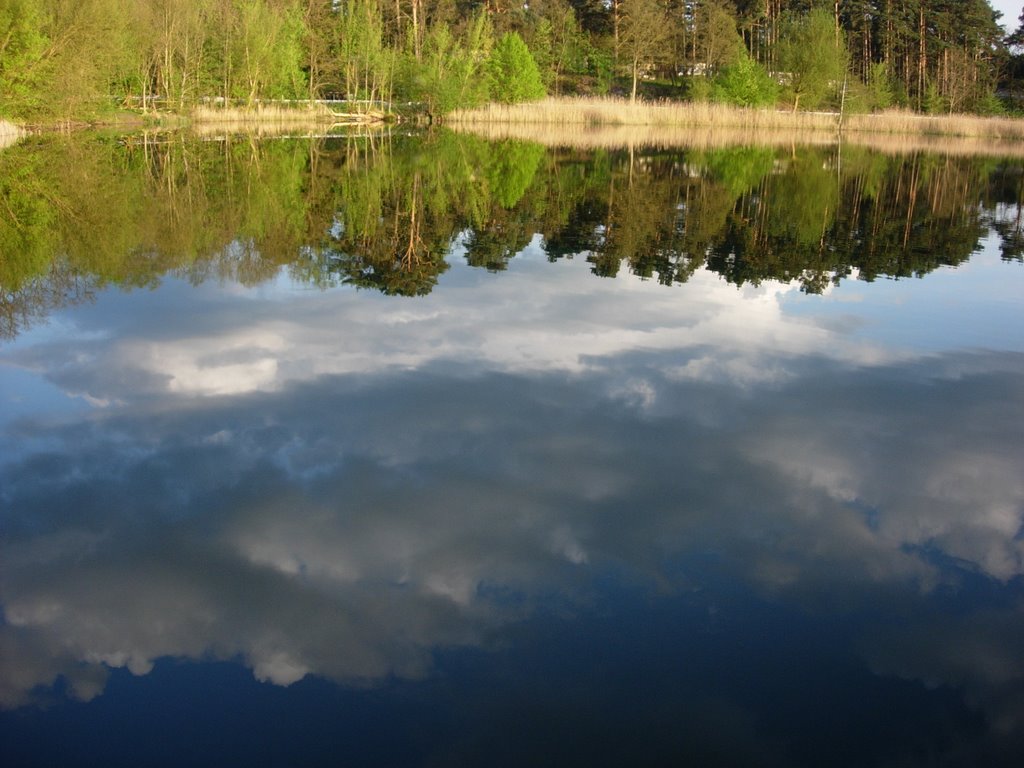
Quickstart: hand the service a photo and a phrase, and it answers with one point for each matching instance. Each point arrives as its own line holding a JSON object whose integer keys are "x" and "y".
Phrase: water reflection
{"x": 384, "y": 212}
{"x": 686, "y": 517}
{"x": 349, "y": 526}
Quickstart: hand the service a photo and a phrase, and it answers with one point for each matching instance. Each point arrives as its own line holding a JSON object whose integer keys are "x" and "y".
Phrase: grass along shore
{"x": 621, "y": 112}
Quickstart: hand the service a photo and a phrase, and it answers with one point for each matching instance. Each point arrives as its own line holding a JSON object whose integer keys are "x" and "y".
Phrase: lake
{"x": 425, "y": 450}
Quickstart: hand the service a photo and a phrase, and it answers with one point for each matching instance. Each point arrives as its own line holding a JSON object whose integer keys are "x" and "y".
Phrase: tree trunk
{"x": 416, "y": 30}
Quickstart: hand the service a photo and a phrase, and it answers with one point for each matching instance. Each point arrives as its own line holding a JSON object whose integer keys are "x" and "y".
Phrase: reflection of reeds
{"x": 609, "y": 111}
{"x": 583, "y": 136}
{"x": 287, "y": 130}
{"x": 267, "y": 116}
{"x": 617, "y": 136}
{"x": 9, "y": 133}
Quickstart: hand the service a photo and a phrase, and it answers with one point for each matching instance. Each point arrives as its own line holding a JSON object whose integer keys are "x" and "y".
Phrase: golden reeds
{"x": 612, "y": 111}
{"x": 581, "y": 136}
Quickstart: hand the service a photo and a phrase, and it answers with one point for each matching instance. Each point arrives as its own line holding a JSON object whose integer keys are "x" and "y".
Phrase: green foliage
{"x": 740, "y": 169}
{"x": 858, "y": 99}
{"x": 513, "y": 167}
{"x": 58, "y": 59}
{"x": 700, "y": 88}
{"x": 814, "y": 58}
{"x": 558, "y": 44}
{"x": 450, "y": 74}
{"x": 643, "y": 30}
{"x": 78, "y": 58}
{"x": 934, "y": 103}
{"x": 880, "y": 91}
{"x": 23, "y": 69}
{"x": 542, "y": 48}
{"x": 287, "y": 79}
{"x": 602, "y": 67}
{"x": 717, "y": 41}
{"x": 512, "y": 71}
{"x": 745, "y": 83}
{"x": 992, "y": 106}
{"x": 367, "y": 64}
{"x": 268, "y": 51}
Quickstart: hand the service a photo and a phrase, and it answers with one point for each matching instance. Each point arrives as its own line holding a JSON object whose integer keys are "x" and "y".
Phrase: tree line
{"x": 64, "y": 58}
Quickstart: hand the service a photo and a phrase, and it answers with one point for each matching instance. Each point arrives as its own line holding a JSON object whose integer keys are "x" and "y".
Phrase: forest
{"x": 82, "y": 59}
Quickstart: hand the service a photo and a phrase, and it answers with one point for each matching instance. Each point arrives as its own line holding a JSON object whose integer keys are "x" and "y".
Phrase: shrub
{"x": 991, "y": 105}
{"x": 934, "y": 103}
{"x": 745, "y": 83}
{"x": 881, "y": 94}
{"x": 699, "y": 88}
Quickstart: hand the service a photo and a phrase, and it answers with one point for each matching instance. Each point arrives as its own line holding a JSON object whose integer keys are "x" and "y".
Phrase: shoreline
{"x": 601, "y": 123}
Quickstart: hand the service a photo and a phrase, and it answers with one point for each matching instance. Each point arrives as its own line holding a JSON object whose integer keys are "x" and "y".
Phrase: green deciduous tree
{"x": 59, "y": 57}
{"x": 643, "y": 30}
{"x": 813, "y": 58}
{"x": 268, "y": 48}
{"x": 367, "y": 64}
{"x": 24, "y": 68}
{"x": 451, "y": 71}
{"x": 716, "y": 43}
{"x": 512, "y": 71}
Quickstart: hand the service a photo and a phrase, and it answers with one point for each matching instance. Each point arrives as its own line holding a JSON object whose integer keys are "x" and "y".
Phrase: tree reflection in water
{"x": 384, "y": 212}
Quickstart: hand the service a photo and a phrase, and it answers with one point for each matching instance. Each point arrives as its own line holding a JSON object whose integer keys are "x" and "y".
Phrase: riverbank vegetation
{"x": 80, "y": 59}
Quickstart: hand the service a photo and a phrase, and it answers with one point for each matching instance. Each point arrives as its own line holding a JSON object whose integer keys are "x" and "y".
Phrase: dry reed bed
{"x": 587, "y": 137}
{"x": 611, "y": 111}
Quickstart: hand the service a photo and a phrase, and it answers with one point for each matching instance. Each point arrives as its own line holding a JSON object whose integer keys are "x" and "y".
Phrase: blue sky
{"x": 1011, "y": 11}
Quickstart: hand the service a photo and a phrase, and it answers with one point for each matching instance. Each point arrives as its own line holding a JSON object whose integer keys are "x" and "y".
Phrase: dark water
{"x": 426, "y": 451}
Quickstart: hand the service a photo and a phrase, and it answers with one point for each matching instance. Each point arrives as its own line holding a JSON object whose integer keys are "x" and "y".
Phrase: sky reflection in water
{"x": 529, "y": 517}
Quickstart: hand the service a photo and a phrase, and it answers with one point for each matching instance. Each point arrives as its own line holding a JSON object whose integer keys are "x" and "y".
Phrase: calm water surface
{"x": 429, "y": 451}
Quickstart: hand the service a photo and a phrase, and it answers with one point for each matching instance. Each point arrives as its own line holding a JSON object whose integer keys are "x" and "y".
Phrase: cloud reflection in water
{"x": 341, "y": 485}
